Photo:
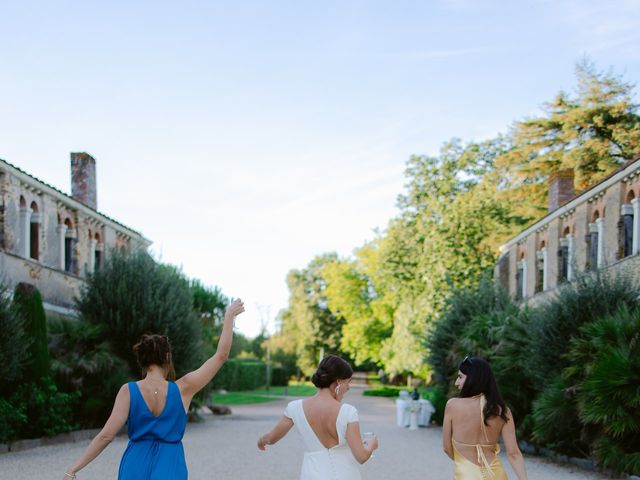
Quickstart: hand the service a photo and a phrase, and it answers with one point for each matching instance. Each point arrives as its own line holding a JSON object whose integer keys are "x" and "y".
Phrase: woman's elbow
{"x": 106, "y": 437}
{"x": 514, "y": 454}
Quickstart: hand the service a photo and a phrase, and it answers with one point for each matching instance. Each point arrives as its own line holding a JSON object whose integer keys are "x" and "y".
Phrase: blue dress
{"x": 155, "y": 443}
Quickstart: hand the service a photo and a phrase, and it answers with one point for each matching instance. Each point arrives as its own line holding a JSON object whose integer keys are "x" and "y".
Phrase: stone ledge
{"x": 69, "y": 437}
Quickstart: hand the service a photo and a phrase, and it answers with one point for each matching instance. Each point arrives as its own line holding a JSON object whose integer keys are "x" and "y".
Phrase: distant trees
{"x": 456, "y": 210}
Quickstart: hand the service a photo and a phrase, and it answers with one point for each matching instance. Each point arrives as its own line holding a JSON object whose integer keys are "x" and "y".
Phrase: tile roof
{"x": 72, "y": 199}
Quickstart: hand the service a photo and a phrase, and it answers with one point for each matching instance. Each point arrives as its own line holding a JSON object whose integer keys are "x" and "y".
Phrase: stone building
{"x": 596, "y": 229}
{"x": 53, "y": 240}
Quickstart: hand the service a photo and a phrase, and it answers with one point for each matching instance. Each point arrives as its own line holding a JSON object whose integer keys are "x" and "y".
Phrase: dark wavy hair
{"x": 155, "y": 350}
{"x": 480, "y": 379}
{"x": 331, "y": 368}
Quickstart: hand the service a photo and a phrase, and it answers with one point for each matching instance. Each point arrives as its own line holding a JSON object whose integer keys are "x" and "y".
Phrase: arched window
{"x": 24, "y": 239}
{"x": 594, "y": 245}
{"x": 34, "y": 233}
{"x": 521, "y": 277}
{"x": 625, "y": 227}
{"x": 97, "y": 262}
{"x": 69, "y": 239}
{"x": 541, "y": 268}
{"x": 565, "y": 256}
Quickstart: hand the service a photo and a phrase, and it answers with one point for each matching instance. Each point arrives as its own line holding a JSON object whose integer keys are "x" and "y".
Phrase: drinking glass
{"x": 367, "y": 437}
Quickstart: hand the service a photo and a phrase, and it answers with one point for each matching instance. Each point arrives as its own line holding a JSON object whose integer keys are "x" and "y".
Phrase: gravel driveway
{"x": 224, "y": 448}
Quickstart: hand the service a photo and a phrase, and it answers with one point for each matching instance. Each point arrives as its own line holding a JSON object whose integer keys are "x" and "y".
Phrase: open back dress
{"x": 321, "y": 463}
{"x": 465, "y": 469}
{"x": 155, "y": 448}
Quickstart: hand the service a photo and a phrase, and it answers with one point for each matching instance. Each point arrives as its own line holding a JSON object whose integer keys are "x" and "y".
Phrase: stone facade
{"x": 53, "y": 240}
{"x": 599, "y": 228}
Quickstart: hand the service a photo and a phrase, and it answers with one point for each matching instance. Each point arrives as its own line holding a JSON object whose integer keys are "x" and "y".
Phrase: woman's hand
{"x": 371, "y": 443}
{"x": 69, "y": 475}
{"x": 262, "y": 444}
{"x": 234, "y": 309}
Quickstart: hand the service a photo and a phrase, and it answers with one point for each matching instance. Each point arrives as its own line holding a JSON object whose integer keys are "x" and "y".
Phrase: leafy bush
{"x": 14, "y": 345}
{"x": 28, "y": 302}
{"x": 82, "y": 360}
{"x": 132, "y": 295}
{"x": 605, "y": 374}
{"x": 279, "y": 377}
{"x": 555, "y": 323}
{"x": 12, "y": 420}
{"x": 238, "y": 374}
{"x": 445, "y": 349}
{"x": 36, "y": 409}
{"x": 387, "y": 391}
{"x": 555, "y": 422}
{"x": 438, "y": 398}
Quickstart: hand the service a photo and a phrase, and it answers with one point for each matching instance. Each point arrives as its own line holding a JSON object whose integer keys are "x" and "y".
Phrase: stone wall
{"x": 61, "y": 225}
{"x": 598, "y": 209}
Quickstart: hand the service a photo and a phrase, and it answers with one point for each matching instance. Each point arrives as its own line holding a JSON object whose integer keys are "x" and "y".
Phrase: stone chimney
{"x": 83, "y": 179}
{"x": 561, "y": 188}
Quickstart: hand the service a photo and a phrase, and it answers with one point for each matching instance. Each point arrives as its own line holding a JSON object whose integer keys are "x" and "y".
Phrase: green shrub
{"x": 12, "y": 420}
{"x": 555, "y": 421}
{"x": 445, "y": 349}
{"x": 387, "y": 391}
{"x": 132, "y": 295}
{"x": 438, "y": 398}
{"x": 605, "y": 374}
{"x": 555, "y": 323}
{"x": 279, "y": 377}
{"x": 82, "y": 360}
{"x": 36, "y": 409}
{"x": 14, "y": 345}
{"x": 28, "y": 303}
{"x": 238, "y": 374}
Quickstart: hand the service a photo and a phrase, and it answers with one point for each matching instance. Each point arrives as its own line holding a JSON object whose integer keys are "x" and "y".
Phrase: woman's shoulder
{"x": 349, "y": 407}
{"x": 349, "y": 412}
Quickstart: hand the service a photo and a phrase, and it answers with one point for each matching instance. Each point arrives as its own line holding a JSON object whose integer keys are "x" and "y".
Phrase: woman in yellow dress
{"x": 473, "y": 424}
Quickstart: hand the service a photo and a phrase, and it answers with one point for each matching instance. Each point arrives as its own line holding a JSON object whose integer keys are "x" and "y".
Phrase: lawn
{"x": 261, "y": 395}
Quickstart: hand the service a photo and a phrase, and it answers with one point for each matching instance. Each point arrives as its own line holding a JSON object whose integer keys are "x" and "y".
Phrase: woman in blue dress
{"x": 155, "y": 409}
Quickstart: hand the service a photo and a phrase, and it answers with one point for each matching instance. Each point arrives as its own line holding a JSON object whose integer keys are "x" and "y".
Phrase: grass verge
{"x": 262, "y": 395}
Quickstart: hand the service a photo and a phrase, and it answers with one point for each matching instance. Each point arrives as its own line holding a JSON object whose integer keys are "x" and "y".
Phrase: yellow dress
{"x": 465, "y": 469}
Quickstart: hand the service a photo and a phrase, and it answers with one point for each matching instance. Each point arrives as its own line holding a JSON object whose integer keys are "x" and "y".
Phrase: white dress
{"x": 321, "y": 463}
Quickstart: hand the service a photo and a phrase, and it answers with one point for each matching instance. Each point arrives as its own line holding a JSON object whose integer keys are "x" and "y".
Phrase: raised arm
{"x": 447, "y": 431}
{"x": 514, "y": 455}
{"x": 361, "y": 452}
{"x": 275, "y": 435}
{"x": 116, "y": 421}
{"x": 194, "y": 381}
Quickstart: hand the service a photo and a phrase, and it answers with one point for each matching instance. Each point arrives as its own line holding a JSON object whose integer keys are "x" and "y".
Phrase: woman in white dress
{"x": 330, "y": 430}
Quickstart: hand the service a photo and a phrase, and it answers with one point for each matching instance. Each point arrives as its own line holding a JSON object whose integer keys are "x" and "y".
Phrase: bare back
{"x": 322, "y": 415}
{"x": 468, "y": 432}
{"x": 155, "y": 401}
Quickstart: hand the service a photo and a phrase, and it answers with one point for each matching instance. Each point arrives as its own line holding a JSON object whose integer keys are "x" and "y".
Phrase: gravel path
{"x": 224, "y": 448}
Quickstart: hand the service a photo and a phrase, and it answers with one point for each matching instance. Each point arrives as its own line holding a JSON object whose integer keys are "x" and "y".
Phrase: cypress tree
{"x": 28, "y": 303}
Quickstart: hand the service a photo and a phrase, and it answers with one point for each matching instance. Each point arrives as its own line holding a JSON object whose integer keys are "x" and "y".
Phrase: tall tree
{"x": 592, "y": 132}
{"x": 312, "y": 327}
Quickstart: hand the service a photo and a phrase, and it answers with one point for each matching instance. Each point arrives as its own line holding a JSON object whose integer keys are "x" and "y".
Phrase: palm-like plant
{"x": 606, "y": 374}
{"x": 83, "y": 360}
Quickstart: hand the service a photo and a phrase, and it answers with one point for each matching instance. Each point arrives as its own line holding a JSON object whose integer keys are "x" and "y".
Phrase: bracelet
{"x": 70, "y": 475}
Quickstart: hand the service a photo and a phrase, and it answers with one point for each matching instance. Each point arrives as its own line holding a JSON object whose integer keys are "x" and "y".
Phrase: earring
{"x": 338, "y": 390}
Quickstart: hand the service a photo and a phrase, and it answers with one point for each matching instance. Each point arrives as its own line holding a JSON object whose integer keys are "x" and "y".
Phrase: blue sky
{"x": 243, "y": 138}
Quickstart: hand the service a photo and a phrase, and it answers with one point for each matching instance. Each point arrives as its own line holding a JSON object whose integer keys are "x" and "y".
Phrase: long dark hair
{"x": 480, "y": 379}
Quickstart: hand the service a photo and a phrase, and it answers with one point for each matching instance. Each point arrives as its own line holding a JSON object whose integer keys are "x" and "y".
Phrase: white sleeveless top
{"x": 321, "y": 463}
